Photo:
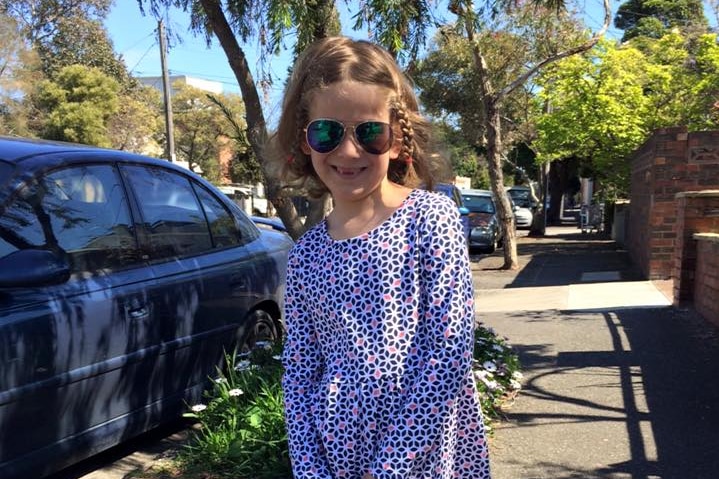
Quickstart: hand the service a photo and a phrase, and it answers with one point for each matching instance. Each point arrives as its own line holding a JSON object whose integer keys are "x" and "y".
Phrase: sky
{"x": 135, "y": 37}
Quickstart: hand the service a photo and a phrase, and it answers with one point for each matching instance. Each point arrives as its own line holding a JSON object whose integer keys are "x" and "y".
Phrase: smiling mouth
{"x": 348, "y": 172}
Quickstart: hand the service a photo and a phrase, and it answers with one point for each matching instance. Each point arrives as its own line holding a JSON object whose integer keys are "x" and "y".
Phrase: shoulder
{"x": 310, "y": 241}
{"x": 434, "y": 204}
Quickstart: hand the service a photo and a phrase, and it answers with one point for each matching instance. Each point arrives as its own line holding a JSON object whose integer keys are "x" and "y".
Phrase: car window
{"x": 222, "y": 224}
{"x": 81, "y": 211}
{"x": 5, "y": 169}
{"x": 479, "y": 204}
{"x": 173, "y": 219}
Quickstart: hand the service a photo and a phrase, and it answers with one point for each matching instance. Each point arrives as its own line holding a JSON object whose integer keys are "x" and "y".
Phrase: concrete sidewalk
{"x": 617, "y": 382}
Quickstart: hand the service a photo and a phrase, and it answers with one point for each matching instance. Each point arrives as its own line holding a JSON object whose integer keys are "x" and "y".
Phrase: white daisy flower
{"x": 243, "y": 365}
{"x": 517, "y": 375}
{"x": 235, "y": 392}
{"x": 514, "y": 384}
{"x": 199, "y": 408}
{"x": 489, "y": 366}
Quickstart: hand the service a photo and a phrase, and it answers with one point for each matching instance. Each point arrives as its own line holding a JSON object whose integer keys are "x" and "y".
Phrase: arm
{"x": 302, "y": 361}
{"x": 447, "y": 297}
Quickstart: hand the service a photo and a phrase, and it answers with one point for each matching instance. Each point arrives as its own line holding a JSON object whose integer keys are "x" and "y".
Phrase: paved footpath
{"x": 617, "y": 383}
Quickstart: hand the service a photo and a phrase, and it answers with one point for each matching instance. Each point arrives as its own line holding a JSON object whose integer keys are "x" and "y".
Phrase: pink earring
{"x": 290, "y": 158}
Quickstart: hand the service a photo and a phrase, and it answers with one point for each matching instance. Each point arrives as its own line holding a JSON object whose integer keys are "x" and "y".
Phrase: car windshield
{"x": 479, "y": 204}
{"x": 521, "y": 198}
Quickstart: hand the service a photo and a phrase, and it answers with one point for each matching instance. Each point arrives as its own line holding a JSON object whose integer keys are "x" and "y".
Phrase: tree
{"x": 204, "y": 128}
{"x": 270, "y": 22}
{"x": 67, "y": 32}
{"x": 78, "y": 104}
{"x": 597, "y": 112}
{"x": 606, "y": 103}
{"x": 492, "y": 98}
{"x": 19, "y": 71}
{"x": 655, "y": 18}
{"x": 137, "y": 124}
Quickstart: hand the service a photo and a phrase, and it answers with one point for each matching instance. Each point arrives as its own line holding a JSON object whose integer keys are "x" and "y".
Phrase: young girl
{"x": 379, "y": 308}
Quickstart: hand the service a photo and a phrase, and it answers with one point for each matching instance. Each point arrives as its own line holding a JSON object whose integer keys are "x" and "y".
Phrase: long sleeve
{"x": 447, "y": 303}
{"x": 303, "y": 362}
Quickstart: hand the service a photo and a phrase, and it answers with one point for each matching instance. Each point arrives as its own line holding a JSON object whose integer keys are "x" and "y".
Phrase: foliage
{"x": 596, "y": 111}
{"x": 497, "y": 371}
{"x": 203, "y": 130}
{"x": 604, "y": 104}
{"x": 655, "y": 18}
{"x": 448, "y": 81}
{"x": 682, "y": 81}
{"x": 19, "y": 72}
{"x": 137, "y": 125}
{"x": 242, "y": 424}
{"x": 242, "y": 432}
{"x": 81, "y": 41}
{"x": 67, "y": 32}
{"x": 78, "y": 104}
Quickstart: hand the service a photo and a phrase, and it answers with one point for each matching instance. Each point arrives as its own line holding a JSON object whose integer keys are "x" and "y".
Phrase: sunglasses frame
{"x": 388, "y": 146}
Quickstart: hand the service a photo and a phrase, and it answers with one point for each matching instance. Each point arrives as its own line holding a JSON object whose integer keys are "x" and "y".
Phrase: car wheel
{"x": 490, "y": 249}
{"x": 261, "y": 326}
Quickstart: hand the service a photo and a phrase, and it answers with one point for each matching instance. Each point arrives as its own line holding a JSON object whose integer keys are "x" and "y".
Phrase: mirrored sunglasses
{"x": 324, "y": 135}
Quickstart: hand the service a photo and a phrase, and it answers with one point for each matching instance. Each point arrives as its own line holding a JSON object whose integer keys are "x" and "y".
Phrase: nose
{"x": 348, "y": 145}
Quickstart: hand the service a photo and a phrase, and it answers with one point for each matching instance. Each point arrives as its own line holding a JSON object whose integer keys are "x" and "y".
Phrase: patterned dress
{"x": 379, "y": 348}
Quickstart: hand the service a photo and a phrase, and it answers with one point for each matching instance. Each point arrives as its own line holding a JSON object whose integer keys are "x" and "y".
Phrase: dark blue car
{"x": 123, "y": 281}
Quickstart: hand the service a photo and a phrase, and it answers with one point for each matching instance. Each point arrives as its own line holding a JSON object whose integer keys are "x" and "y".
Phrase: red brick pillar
{"x": 706, "y": 280}
{"x": 698, "y": 212}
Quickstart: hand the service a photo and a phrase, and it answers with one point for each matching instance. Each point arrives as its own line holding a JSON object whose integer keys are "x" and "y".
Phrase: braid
{"x": 407, "y": 134}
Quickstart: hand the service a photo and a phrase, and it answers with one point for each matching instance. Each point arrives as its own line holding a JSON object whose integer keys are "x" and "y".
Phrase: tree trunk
{"x": 493, "y": 134}
{"x": 256, "y": 125}
{"x": 496, "y": 178}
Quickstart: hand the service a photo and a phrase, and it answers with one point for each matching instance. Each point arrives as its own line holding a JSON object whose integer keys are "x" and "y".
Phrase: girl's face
{"x": 350, "y": 172}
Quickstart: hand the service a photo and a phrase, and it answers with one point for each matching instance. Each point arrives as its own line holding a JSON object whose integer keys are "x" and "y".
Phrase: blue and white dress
{"x": 378, "y": 350}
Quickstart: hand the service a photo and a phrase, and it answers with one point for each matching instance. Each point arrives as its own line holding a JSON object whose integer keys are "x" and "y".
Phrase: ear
{"x": 396, "y": 148}
{"x": 305, "y": 147}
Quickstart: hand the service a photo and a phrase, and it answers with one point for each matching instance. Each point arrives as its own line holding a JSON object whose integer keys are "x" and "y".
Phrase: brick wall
{"x": 698, "y": 212}
{"x": 670, "y": 162}
{"x": 706, "y": 291}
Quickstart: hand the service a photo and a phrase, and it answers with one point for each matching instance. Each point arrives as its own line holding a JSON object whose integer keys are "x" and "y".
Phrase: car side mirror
{"x": 463, "y": 210}
{"x": 31, "y": 268}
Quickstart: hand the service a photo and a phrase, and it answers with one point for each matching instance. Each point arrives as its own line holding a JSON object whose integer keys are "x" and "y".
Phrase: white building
{"x": 199, "y": 83}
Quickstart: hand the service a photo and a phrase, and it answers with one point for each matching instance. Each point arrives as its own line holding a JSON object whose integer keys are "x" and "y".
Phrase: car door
{"x": 204, "y": 273}
{"x": 67, "y": 350}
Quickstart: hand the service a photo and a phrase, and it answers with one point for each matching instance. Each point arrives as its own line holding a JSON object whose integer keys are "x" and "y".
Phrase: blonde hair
{"x": 338, "y": 59}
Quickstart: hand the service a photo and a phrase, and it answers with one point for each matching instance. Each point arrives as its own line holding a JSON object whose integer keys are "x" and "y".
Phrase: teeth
{"x": 347, "y": 171}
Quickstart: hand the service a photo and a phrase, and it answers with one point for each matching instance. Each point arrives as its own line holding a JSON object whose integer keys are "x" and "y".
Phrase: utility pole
{"x": 166, "y": 93}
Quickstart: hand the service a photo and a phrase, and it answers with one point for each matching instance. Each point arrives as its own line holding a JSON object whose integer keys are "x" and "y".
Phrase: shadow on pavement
{"x": 557, "y": 260}
{"x": 645, "y": 405}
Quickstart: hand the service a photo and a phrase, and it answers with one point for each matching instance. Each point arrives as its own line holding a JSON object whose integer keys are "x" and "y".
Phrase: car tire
{"x": 261, "y": 326}
{"x": 491, "y": 248}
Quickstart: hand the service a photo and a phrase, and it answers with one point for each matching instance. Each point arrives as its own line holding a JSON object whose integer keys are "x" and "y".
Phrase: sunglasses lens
{"x": 374, "y": 136}
{"x": 323, "y": 136}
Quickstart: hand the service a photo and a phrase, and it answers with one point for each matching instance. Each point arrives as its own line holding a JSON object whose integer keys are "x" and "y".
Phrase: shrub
{"x": 242, "y": 431}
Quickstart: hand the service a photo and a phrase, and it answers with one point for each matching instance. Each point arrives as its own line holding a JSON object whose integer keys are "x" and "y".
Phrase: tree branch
{"x": 566, "y": 53}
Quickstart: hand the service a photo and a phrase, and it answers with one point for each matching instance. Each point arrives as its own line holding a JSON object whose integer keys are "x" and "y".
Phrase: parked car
{"x": 455, "y": 195}
{"x": 123, "y": 282}
{"x": 485, "y": 233}
{"x": 269, "y": 223}
{"x": 525, "y": 206}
